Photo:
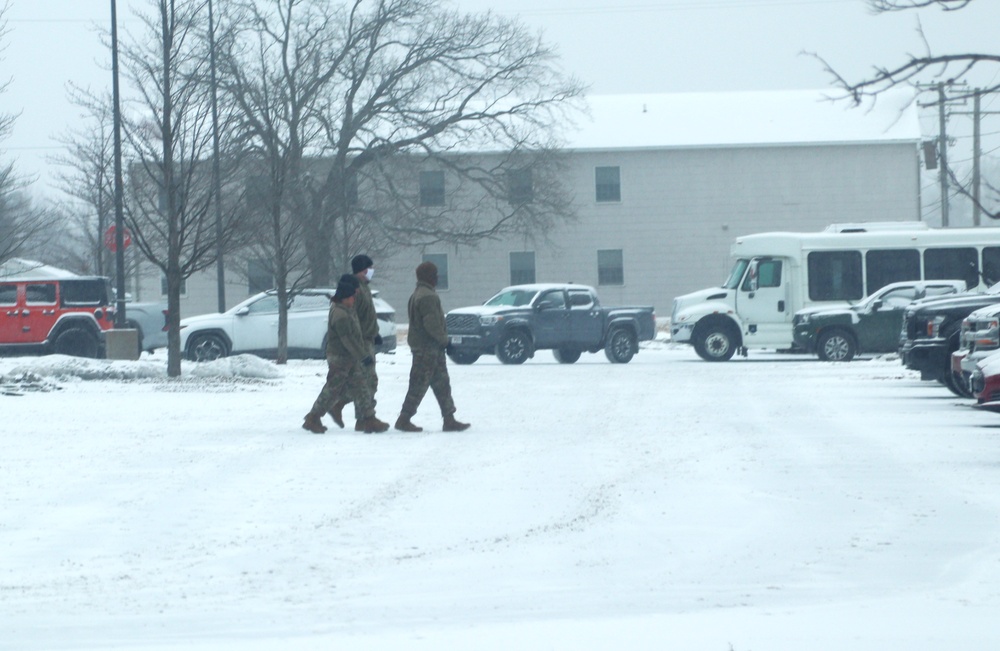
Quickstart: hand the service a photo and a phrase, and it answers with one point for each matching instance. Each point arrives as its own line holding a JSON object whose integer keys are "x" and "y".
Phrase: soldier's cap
{"x": 346, "y": 287}
{"x": 361, "y": 262}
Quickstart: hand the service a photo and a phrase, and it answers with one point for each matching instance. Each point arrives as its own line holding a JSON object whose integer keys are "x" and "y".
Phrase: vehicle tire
{"x": 566, "y": 355}
{"x": 206, "y": 348}
{"x": 621, "y": 347}
{"x": 78, "y": 341}
{"x": 514, "y": 348}
{"x": 957, "y": 385}
{"x": 715, "y": 342}
{"x": 836, "y": 346}
{"x": 138, "y": 331}
{"x": 463, "y": 356}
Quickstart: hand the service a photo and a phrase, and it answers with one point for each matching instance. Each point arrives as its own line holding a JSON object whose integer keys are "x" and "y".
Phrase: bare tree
{"x": 422, "y": 88}
{"x": 921, "y": 68}
{"x": 169, "y": 137}
{"x": 915, "y": 68}
{"x": 373, "y": 90}
{"x": 87, "y": 176}
{"x": 23, "y": 227}
{"x": 275, "y": 75}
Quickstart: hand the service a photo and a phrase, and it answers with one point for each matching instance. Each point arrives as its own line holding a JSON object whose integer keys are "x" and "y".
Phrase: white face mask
{"x": 369, "y": 272}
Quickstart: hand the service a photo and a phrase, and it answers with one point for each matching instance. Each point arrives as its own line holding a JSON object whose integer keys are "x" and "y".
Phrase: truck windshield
{"x": 514, "y": 297}
{"x": 736, "y": 275}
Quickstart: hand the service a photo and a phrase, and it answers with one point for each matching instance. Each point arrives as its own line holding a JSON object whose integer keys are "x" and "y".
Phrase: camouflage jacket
{"x": 343, "y": 340}
{"x": 427, "y": 327}
{"x": 365, "y": 308}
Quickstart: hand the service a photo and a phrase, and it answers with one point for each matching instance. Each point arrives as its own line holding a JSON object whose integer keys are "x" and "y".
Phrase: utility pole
{"x": 943, "y": 154}
{"x": 977, "y": 153}
{"x": 943, "y": 171}
{"x": 216, "y": 174}
{"x": 119, "y": 189}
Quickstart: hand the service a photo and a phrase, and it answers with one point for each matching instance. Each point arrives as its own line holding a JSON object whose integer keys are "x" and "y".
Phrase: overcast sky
{"x": 615, "y": 46}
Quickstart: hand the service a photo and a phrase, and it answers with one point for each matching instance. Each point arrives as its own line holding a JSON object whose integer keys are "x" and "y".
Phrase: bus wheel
{"x": 715, "y": 342}
{"x": 836, "y": 346}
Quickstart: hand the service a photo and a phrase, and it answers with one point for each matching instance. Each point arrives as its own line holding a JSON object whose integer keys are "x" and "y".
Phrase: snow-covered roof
{"x": 797, "y": 117}
{"x": 21, "y": 269}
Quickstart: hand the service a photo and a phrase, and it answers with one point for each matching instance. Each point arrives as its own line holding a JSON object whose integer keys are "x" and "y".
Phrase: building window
{"x": 608, "y": 183}
{"x": 163, "y": 285}
{"x": 522, "y": 267}
{"x": 520, "y": 187}
{"x": 440, "y": 260}
{"x": 610, "y": 267}
{"x": 432, "y": 188}
{"x": 259, "y": 277}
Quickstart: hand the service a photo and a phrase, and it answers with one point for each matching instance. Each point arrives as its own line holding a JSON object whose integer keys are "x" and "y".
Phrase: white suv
{"x": 252, "y": 327}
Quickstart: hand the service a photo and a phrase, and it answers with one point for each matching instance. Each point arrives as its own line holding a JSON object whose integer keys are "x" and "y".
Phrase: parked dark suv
{"x": 55, "y": 315}
{"x": 931, "y": 331}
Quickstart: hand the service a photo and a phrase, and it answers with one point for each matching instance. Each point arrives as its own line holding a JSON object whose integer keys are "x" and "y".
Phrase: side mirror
{"x": 752, "y": 281}
{"x": 545, "y": 305}
{"x": 877, "y": 305}
{"x": 243, "y": 311}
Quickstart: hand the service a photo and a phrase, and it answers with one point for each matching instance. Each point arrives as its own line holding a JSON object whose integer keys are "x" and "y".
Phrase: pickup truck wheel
{"x": 206, "y": 348}
{"x": 836, "y": 346}
{"x": 76, "y": 341}
{"x": 622, "y": 346}
{"x": 462, "y": 356}
{"x": 957, "y": 385}
{"x": 138, "y": 330}
{"x": 566, "y": 355}
{"x": 514, "y": 348}
{"x": 715, "y": 342}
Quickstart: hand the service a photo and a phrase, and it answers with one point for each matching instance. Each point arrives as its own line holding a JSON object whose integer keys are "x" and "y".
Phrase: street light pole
{"x": 216, "y": 174}
{"x": 119, "y": 191}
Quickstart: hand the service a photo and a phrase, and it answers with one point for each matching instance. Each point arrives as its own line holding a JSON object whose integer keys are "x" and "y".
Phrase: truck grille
{"x": 462, "y": 323}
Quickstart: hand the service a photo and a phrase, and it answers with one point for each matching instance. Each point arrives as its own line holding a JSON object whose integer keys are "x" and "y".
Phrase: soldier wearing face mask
{"x": 363, "y": 268}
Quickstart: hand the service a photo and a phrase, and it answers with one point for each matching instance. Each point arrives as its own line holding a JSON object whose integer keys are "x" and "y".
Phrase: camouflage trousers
{"x": 344, "y": 380}
{"x": 429, "y": 369}
{"x": 370, "y": 378}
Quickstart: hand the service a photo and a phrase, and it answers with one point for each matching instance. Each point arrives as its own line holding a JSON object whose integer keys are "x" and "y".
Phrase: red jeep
{"x": 55, "y": 315}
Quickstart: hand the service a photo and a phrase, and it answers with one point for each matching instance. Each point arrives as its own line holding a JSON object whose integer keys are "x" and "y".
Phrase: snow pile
{"x": 15, "y": 384}
{"x": 44, "y": 373}
{"x": 64, "y": 367}
{"x": 237, "y": 366}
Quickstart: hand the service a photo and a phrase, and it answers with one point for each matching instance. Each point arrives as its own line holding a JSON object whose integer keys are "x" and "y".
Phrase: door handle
{"x": 781, "y": 306}
{"x": 25, "y": 313}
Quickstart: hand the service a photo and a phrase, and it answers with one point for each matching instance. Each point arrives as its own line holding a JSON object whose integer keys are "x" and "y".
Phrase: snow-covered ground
{"x": 767, "y": 504}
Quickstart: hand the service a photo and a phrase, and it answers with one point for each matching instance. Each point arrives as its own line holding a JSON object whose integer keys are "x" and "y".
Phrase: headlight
{"x": 934, "y": 326}
{"x": 801, "y": 319}
{"x": 490, "y": 320}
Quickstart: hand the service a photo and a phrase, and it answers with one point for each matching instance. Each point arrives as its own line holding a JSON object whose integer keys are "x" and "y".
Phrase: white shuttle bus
{"x": 776, "y": 274}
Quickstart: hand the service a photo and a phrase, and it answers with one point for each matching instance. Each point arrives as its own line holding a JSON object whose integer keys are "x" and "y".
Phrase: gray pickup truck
{"x": 566, "y": 319}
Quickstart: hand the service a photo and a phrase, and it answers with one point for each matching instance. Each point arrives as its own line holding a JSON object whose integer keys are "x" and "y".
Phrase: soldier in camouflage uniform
{"x": 346, "y": 353}
{"x": 363, "y": 268}
{"x": 428, "y": 339}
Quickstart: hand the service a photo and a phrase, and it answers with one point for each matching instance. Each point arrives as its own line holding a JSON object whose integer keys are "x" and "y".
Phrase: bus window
{"x": 959, "y": 264}
{"x": 835, "y": 276}
{"x": 991, "y": 264}
{"x": 886, "y": 266}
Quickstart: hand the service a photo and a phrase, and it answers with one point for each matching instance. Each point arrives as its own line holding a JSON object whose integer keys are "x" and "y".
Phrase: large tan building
{"x": 662, "y": 184}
